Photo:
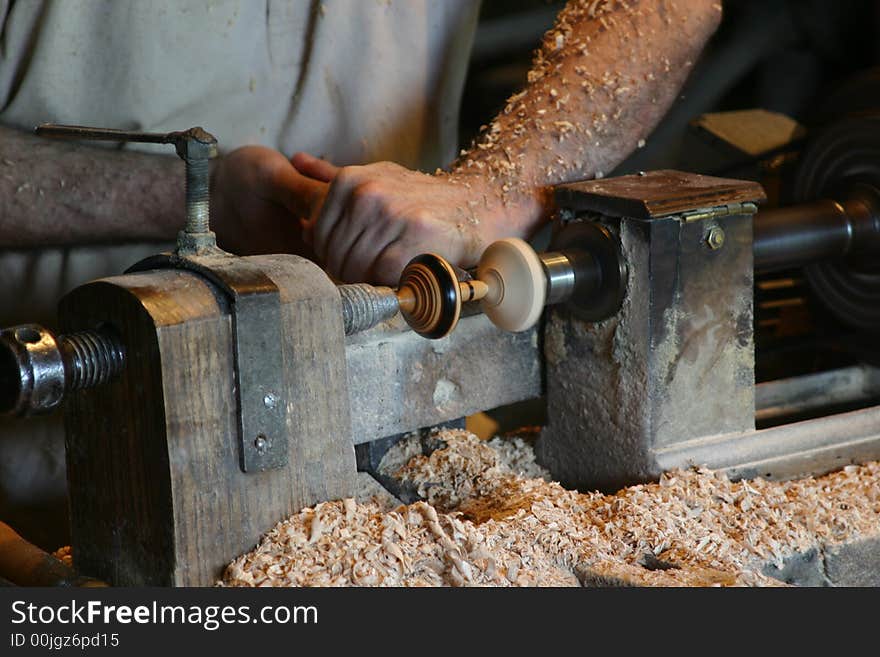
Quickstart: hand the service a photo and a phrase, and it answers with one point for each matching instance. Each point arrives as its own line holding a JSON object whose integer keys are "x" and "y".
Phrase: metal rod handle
{"x": 195, "y": 147}
{"x": 821, "y": 230}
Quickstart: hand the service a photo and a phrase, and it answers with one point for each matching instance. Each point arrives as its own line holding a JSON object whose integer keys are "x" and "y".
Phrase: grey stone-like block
{"x": 800, "y": 569}
{"x": 854, "y": 563}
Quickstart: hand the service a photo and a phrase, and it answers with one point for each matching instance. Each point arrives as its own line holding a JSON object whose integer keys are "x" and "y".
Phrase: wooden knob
{"x": 517, "y": 285}
{"x": 510, "y": 282}
{"x": 429, "y": 296}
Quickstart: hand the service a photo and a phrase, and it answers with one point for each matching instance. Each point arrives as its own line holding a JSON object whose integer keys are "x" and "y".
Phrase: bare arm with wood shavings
{"x": 602, "y": 78}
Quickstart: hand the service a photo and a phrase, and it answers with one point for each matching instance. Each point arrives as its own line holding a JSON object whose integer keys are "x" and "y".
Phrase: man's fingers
{"x": 314, "y": 167}
{"x": 331, "y": 210}
{"x": 359, "y": 262}
{"x": 388, "y": 264}
{"x": 306, "y": 226}
{"x": 299, "y": 194}
{"x": 344, "y": 235}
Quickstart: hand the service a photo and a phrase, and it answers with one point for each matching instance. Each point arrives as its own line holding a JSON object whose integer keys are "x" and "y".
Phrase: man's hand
{"x": 375, "y": 218}
{"x": 257, "y": 198}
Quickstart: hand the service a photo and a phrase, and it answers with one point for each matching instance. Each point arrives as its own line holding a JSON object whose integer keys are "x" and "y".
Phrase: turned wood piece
{"x": 516, "y": 285}
{"x": 429, "y": 295}
{"x": 510, "y": 284}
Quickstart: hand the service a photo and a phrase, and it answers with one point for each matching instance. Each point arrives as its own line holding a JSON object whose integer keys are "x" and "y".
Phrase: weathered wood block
{"x": 677, "y": 362}
{"x": 157, "y": 492}
{"x": 158, "y": 496}
{"x": 399, "y": 381}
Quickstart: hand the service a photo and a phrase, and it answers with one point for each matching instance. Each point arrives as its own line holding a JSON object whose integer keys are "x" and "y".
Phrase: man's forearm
{"x": 602, "y": 79}
{"x": 62, "y": 193}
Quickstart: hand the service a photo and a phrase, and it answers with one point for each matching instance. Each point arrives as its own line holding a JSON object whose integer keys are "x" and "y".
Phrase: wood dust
{"x": 491, "y": 517}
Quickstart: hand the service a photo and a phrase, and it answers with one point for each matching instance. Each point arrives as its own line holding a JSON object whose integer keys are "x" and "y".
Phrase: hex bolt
{"x": 270, "y": 400}
{"x": 715, "y": 238}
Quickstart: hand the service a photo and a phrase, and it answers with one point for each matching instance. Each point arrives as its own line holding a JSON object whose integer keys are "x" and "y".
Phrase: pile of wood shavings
{"x": 465, "y": 469}
{"x": 487, "y": 524}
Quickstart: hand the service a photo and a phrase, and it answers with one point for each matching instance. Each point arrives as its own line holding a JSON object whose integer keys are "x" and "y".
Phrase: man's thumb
{"x": 314, "y": 167}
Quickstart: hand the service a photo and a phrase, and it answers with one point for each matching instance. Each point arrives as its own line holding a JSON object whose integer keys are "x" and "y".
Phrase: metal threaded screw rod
{"x": 38, "y": 369}
{"x": 195, "y": 147}
{"x": 90, "y": 358}
{"x": 364, "y": 306}
{"x": 197, "y": 196}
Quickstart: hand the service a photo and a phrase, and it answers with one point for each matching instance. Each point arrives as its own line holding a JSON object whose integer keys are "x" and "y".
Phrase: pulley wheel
{"x": 844, "y": 155}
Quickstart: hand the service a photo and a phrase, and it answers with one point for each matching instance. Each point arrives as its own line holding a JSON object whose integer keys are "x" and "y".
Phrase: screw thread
{"x": 90, "y": 358}
{"x": 197, "y": 195}
{"x": 364, "y": 306}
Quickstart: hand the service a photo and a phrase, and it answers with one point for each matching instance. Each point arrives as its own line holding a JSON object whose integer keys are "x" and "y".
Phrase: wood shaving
{"x": 492, "y": 518}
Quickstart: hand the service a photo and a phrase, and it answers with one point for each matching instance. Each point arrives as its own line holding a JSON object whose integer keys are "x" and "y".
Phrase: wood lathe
{"x": 207, "y": 396}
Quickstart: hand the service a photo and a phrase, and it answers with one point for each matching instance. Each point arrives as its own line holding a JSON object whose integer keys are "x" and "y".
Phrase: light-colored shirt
{"x": 354, "y": 80}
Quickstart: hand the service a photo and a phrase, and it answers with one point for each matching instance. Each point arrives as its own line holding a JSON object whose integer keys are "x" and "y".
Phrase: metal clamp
{"x": 254, "y": 297}
{"x": 195, "y": 147}
{"x": 257, "y": 348}
{"x": 257, "y": 343}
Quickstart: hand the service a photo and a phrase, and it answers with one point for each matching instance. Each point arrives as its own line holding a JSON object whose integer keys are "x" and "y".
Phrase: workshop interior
{"x": 714, "y": 302}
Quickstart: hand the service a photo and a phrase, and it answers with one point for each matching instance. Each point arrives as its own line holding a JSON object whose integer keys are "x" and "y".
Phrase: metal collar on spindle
{"x": 39, "y": 369}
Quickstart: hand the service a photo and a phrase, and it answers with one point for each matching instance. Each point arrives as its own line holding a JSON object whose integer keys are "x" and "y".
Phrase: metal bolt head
{"x": 715, "y": 238}
{"x": 270, "y": 400}
{"x": 196, "y": 243}
{"x": 262, "y": 444}
{"x": 195, "y": 144}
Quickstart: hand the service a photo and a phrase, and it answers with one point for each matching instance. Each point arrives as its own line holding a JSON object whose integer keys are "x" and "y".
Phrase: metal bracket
{"x": 257, "y": 343}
